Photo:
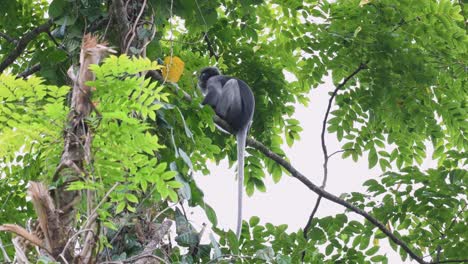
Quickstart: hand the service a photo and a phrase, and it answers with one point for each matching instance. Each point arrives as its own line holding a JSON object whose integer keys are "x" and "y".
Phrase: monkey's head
{"x": 205, "y": 74}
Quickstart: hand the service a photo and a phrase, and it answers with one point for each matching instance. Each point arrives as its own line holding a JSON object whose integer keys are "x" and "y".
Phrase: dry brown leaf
{"x": 174, "y": 69}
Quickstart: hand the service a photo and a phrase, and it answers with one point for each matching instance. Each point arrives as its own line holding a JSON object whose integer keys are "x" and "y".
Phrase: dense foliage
{"x": 400, "y": 66}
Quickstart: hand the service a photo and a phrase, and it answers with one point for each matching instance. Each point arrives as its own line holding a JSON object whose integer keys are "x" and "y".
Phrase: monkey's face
{"x": 208, "y": 72}
{"x": 205, "y": 74}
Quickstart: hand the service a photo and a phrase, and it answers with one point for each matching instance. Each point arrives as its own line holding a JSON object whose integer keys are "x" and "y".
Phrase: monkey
{"x": 233, "y": 101}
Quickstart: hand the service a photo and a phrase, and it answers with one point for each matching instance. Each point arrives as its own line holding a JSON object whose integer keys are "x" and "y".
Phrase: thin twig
{"x": 210, "y": 46}
{"x": 153, "y": 33}
{"x": 133, "y": 259}
{"x": 168, "y": 67}
{"x": 103, "y": 200}
{"x": 309, "y": 222}
{"x": 231, "y": 257}
{"x": 72, "y": 238}
{"x": 439, "y": 251}
{"x": 135, "y": 26}
{"x": 35, "y": 68}
{"x": 128, "y": 217}
{"x": 54, "y": 40}
{"x": 163, "y": 211}
{"x": 326, "y": 157}
{"x": 339, "y": 151}
{"x": 8, "y": 38}
{"x": 455, "y": 218}
{"x": 20, "y": 256}
{"x": 205, "y": 34}
{"x": 325, "y": 120}
{"x": 6, "y": 258}
{"x": 201, "y": 14}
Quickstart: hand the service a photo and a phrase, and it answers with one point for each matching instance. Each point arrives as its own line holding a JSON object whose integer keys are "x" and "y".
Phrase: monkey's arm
{"x": 230, "y": 104}
{"x": 211, "y": 98}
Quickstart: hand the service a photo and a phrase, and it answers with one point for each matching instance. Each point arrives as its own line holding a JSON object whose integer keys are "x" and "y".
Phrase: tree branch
{"x": 21, "y": 232}
{"x": 339, "y": 151}
{"x": 309, "y": 222}
{"x": 325, "y": 120}
{"x": 8, "y": 38}
{"x": 35, "y": 68}
{"x": 321, "y": 192}
{"x": 210, "y": 46}
{"x": 22, "y": 43}
{"x": 326, "y": 157}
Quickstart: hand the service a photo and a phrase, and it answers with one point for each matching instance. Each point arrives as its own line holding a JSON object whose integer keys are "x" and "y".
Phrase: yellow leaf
{"x": 364, "y": 2}
{"x": 173, "y": 69}
{"x": 376, "y": 242}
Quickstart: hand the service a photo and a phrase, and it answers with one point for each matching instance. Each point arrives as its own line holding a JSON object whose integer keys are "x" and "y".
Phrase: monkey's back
{"x": 236, "y": 103}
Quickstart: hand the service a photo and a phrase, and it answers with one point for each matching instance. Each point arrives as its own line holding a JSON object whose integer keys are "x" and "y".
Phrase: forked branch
{"x": 326, "y": 157}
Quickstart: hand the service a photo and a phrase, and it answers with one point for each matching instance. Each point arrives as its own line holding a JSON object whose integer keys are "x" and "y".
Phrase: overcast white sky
{"x": 289, "y": 201}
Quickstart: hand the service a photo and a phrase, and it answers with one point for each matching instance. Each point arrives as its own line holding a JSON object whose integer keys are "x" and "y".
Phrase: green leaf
{"x": 184, "y": 191}
{"x": 384, "y": 164}
{"x": 250, "y": 188}
{"x": 144, "y": 185}
{"x": 173, "y": 196}
{"x": 175, "y": 184}
{"x": 120, "y": 207}
{"x": 233, "y": 242}
{"x": 168, "y": 175}
{"x": 203, "y": 251}
{"x": 378, "y": 258}
{"x": 131, "y": 208}
{"x": 131, "y": 198}
{"x": 364, "y": 242}
{"x": 56, "y": 8}
{"x": 372, "y": 158}
{"x": 356, "y": 241}
{"x": 254, "y": 220}
{"x": 266, "y": 254}
{"x": 277, "y": 172}
{"x": 211, "y": 214}
{"x": 188, "y": 133}
{"x": 372, "y": 250}
{"x": 186, "y": 234}
{"x": 329, "y": 249}
{"x": 185, "y": 158}
{"x": 160, "y": 168}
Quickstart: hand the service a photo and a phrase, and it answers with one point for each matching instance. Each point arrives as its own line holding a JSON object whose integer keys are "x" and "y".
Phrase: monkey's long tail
{"x": 241, "y": 139}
